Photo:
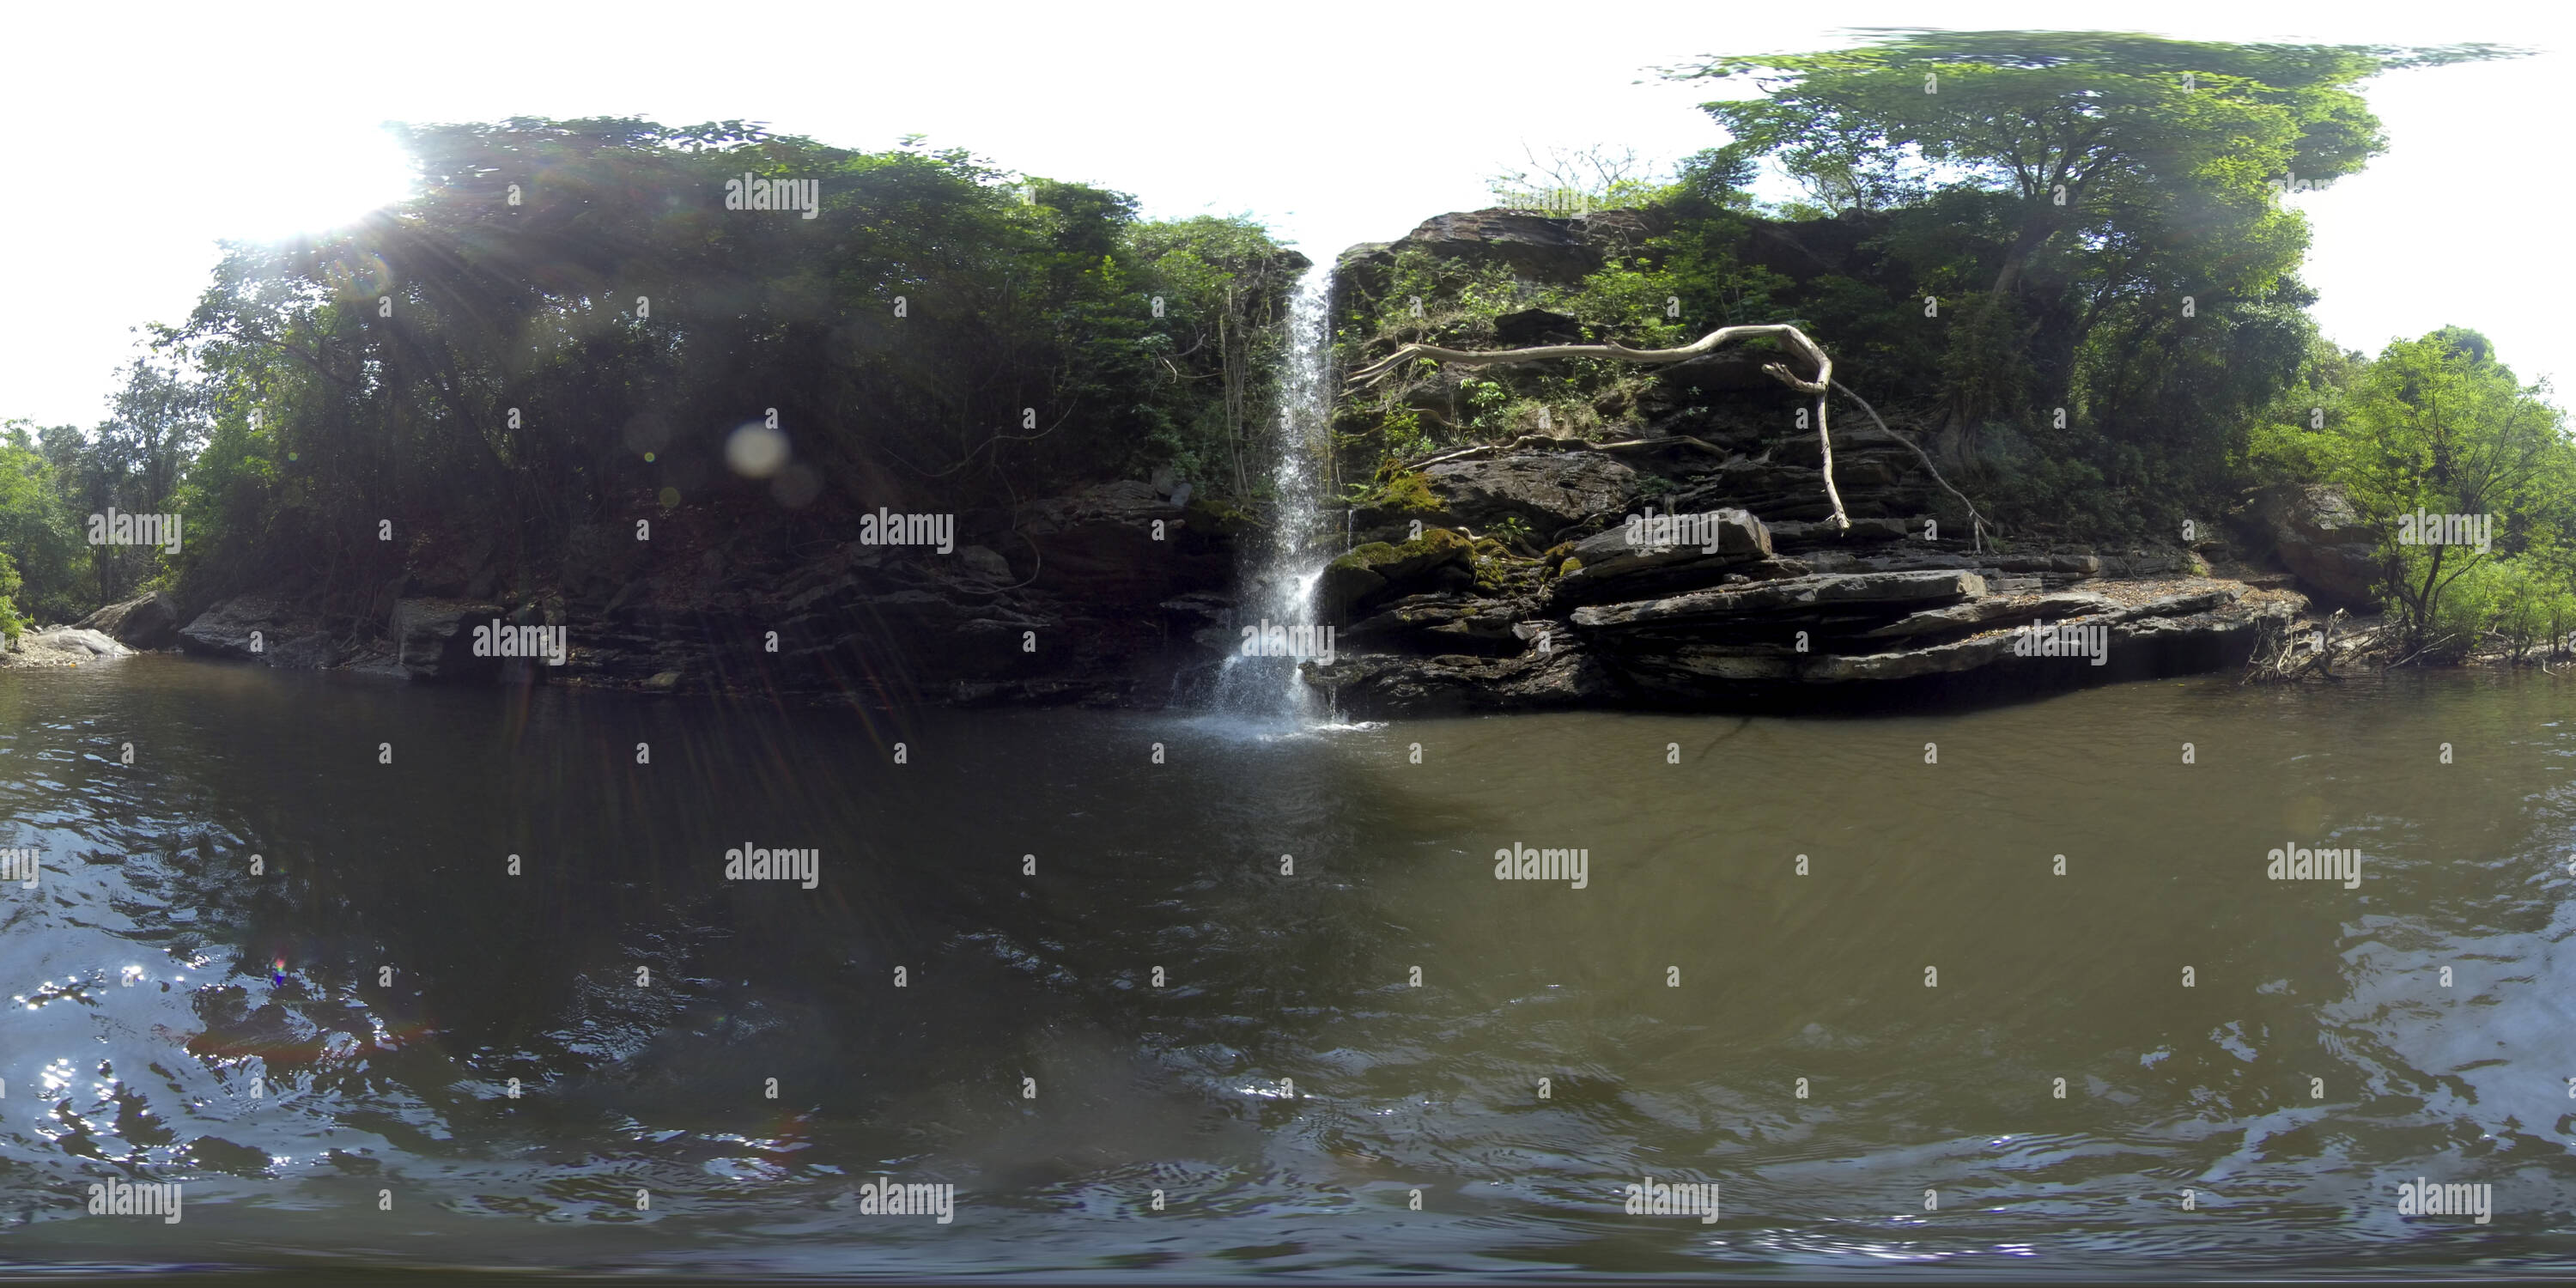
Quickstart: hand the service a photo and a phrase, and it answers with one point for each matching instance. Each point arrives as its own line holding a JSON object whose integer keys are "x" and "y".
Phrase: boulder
{"x": 1565, "y": 675}
{"x": 244, "y": 627}
{"x": 263, "y": 629}
{"x": 1795, "y": 534}
{"x": 2194, "y": 620}
{"x": 62, "y": 646}
{"x": 2322, "y": 538}
{"x": 1610, "y": 565}
{"x": 143, "y": 622}
{"x": 1437, "y": 624}
{"x": 1550, "y": 491}
{"x": 1379, "y": 571}
{"x": 434, "y": 638}
{"x": 981, "y": 561}
{"x": 1533, "y": 247}
{"x": 1099, "y": 544}
{"x": 1737, "y": 648}
{"x": 1536, "y": 248}
{"x": 1619, "y": 231}
{"x": 1912, "y": 663}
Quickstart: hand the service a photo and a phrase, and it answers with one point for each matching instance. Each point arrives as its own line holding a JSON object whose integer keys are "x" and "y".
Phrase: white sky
{"x": 145, "y": 133}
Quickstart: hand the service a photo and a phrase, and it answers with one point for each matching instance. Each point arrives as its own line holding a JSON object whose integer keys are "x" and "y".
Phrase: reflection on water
{"x": 337, "y": 1032}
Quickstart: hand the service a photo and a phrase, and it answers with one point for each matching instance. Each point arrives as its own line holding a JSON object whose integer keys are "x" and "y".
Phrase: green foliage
{"x": 496, "y": 372}
{"x": 2098, "y": 216}
{"x": 1680, "y": 286}
{"x": 38, "y": 534}
{"x": 1223, "y": 283}
{"x": 9, "y": 587}
{"x": 2031, "y": 472}
{"x": 1404, "y": 434}
{"x": 2297, "y": 437}
{"x": 1459, "y": 301}
{"x": 2438, "y": 426}
{"x": 2125, "y": 123}
{"x": 1574, "y": 181}
{"x": 1488, "y": 404}
{"x": 2486, "y": 602}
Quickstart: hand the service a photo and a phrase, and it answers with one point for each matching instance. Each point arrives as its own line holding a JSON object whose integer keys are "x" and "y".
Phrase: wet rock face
{"x": 1837, "y": 640}
{"x": 1380, "y": 571}
{"x": 1778, "y": 599}
{"x": 1557, "y": 675}
{"x": 1435, "y": 624}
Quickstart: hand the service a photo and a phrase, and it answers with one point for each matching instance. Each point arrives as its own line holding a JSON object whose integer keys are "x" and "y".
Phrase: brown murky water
{"x": 1288, "y": 1089}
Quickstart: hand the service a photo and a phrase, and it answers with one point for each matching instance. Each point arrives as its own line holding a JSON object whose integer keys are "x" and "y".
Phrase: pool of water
{"x": 1079, "y": 964}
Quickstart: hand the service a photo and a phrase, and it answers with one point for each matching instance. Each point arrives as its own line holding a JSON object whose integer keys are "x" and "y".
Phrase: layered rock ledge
{"x": 1749, "y": 615}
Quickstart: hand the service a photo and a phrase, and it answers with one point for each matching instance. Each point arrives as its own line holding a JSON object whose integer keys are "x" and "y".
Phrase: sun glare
{"x": 344, "y": 175}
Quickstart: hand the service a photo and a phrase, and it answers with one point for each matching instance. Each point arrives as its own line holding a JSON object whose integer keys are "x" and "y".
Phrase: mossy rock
{"x": 1401, "y": 492}
{"x": 1218, "y": 518}
{"x": 1380, "y": 570}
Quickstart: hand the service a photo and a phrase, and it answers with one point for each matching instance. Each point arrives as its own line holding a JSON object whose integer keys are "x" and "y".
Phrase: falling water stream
{"x": 1280, "y": 588}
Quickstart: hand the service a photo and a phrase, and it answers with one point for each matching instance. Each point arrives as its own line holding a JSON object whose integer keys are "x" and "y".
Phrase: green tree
{"x": 2112, "y": 173}
{"x": 9, "y": 585}
{"x": 2437, "y": 426}
{"x": 38, "y": 536}
{"x": 1223, "y": 284}
{"x": 567, "y": 323}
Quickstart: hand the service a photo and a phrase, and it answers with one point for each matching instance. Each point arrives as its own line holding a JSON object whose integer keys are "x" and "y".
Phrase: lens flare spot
{"x": 755, "y": 451}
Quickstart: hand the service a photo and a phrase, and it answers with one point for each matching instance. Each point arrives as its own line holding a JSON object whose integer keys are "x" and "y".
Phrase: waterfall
{"x": 1279, "y": 589}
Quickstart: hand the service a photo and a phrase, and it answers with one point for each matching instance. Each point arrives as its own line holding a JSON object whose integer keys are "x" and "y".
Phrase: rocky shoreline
{"x": 1756, "y": 617}
{"x": 1101, "y": 610}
